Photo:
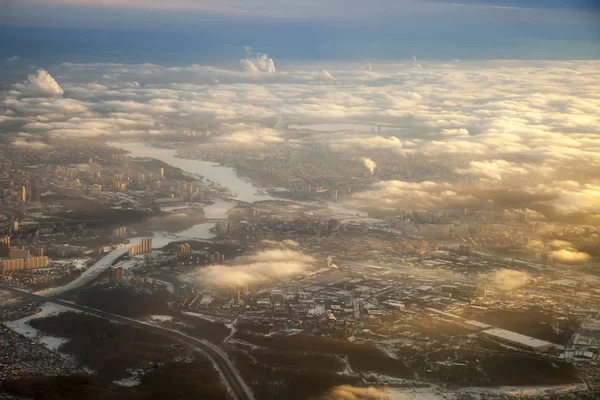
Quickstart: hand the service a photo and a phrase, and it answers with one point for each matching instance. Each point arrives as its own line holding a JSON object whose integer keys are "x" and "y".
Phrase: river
{"x": 224, "y": 176}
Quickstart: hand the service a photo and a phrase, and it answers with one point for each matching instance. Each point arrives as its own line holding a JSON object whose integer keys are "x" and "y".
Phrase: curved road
{"x": 90, "y": 274}
{"x": 227, "y": 370}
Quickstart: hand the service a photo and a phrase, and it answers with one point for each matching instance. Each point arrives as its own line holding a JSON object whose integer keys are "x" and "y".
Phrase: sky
{"x": 301, "y": 29}
{"x": 503, "y": 95}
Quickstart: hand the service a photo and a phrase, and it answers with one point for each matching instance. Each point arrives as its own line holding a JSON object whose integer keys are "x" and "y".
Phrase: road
{"x": 90, "y": 274}
{"x": 226, "y": 368}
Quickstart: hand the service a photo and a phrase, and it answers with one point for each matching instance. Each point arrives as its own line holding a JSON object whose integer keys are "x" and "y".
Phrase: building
{"x": 116, "y": 274}
{"x": 18, "y": 253}
{"x": 23, "y": 194}
{"x": 4, "y": 246}
{"x": 435, "y": 231}
{"x": 396, "y": 305}
{"x": 184, "y": 250}
{"x": 36, "y": 262}
{"x": 223, "y": 228}
{"x": 144, "y": 247}
{"x": 95, "y": 189}
{"x": 464, "y": 250}
{"x": 118, "y": 232}
{"x": 526, "y": 342}
{"x": 161, "y": 173}
{"x": 12, "y": 265}
{"x": 17, "y": 264}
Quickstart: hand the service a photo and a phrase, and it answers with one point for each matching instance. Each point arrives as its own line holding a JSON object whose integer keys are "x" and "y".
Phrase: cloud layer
{"x": 495, "y": 134}
{"x": 263, "y": 266}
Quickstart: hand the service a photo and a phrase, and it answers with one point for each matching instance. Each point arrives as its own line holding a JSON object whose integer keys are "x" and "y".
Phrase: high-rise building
{"x": 5, "y": 246}
{"x": 23, "y": 194}
{"x": 145, "y": 246}
{"x": 161, "y": 173}
{"x": 184, "y": 250}
{"x": 16, "y": 253}
{"x": 116, "y": 274}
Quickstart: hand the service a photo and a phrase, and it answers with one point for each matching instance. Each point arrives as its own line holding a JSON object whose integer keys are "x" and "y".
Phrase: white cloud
{"x": 261, "y": 63}
{"x": 500, "y": 133}
{"x": 349, "y": 142}
{"x": 397, "y": 195}
{"x": 245, "y": 136}
{"x": 492, "y": 169}
{"x": 508, "y": 279}
{"x": 41, "y": 84}
{"x": 284, "y": 243}
{"x": 32, "y": 144}
{"x": 347, "y": 392}
{"x": 563, "y": 251}
{"x": 369, "y": 164}
{"x": 266, "y": 265}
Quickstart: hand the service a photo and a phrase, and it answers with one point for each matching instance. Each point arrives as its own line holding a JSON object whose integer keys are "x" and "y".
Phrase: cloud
{"x": 285, "y": 243}
{"x": 32, "y": 144}
{"x": 347, "y": 392}
{"x": 508, "y": 279}
{"x": 260, "y": 64}
{"x": 40, "y": 84}
{"x": 564, "y": 201}
{"x": 266, "y": 265}
{"x": 493, "y": 135}
{"x": 369, "y": 164}
{"x": 327, "y": 75}
{"x": 13, "y": 58}
{"x": 345, "y": 143}
{"x": 277, "y": 256}
{"x": 492, "y": 169}
{"x": 416, "y": 63}
{"x": 570, "y": 256}
{"x": 563, "y": 251}
{"x": 245, "y": 136}
{"x": 398, "y": 195}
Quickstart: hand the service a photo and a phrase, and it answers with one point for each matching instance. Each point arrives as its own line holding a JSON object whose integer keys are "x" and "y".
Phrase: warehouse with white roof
{"x": 517, "y": 339}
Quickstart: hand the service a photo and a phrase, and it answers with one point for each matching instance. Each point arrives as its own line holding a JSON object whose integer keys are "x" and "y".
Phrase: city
{"x": 388, "y": 210}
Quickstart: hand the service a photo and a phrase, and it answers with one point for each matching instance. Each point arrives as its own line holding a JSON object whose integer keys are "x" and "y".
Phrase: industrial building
{"x": 517, "y": 339}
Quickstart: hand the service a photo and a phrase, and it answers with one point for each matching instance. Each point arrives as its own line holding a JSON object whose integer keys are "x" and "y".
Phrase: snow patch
{"x": 161, "y": 318}
{"x": 22, "y": 327}
{"x": 127, "y": 382}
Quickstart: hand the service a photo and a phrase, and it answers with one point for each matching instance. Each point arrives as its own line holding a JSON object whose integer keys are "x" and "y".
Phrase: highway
{"x": 226, "y": 368}
{"x": 91, "y": 273}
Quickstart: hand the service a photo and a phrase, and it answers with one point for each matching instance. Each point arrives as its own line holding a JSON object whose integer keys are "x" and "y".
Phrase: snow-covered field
{"x": 161, "y": 318}
{"x": 127, "y": 382}
{"x": 168, "y": 285}
{"x": 435, "y": 393}
{"x": 22, "y": 327}
{"x": 7, "y": 297}
{"x": 198, "y": 315}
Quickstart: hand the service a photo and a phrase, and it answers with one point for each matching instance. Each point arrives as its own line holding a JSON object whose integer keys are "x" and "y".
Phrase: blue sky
{"x": 309, "y": 29}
